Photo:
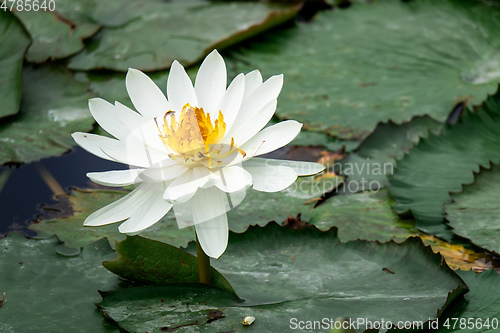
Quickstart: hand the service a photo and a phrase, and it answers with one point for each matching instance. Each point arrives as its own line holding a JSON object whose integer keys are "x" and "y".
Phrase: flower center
{"x": 193, "y": 139}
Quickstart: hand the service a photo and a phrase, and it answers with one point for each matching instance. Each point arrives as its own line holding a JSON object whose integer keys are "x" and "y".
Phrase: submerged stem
{"x": 203, "y": 264}
{"x": 49, "y": 179}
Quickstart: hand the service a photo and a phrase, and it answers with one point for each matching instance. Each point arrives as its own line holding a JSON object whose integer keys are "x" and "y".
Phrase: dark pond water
{"x": 25, "y": 191}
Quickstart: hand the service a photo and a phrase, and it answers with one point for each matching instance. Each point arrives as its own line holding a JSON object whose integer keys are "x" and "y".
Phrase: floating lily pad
{"x": 366, "y": 216}
{"x": 257, "y": 208}
{"x": 189, "y": 31}
{"x": 480, "y": 309}
{"x": 440, "y": 164}
{"x": 475, "y": 213}
{"x": 387, "y": 60}
{"x": 375, "y": 159}
{"x": 282, "y": 273}
{"x": 150, "y": 262}
{"x": 53, "y": 106}
{"x": 49, "y": 292}
{"x": 54, "y": 36}
{"x": 105, "y": 13}
{"x": 318, "y": 139}
{"x": 14, "y": 41}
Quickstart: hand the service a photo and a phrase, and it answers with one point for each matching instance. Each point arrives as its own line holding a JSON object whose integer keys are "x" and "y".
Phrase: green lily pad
{"x": 14, "y": 41}
{"x": 387, "y": 60}
{"x": 53, "y": 106}
{"x": 105, "y": 13}
{"x": 49, "y": 292}
{"x": 474, "y": 212}
{"x": 189, "y": 31}
{"x": 54, "y": 36}
{"x": 68, "y": 226}
{"x": 481, "y": 304}
{"x": 440, "y": 164}
{"x": 283, "y": 273}
{"x": 319, "y": 139}
{"x": 375, "y": 159}
{"x": 150, "y": 262}
{"x": 366, "y": 216}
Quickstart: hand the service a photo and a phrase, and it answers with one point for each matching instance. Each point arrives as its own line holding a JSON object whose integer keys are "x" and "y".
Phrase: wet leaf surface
{"x": 481, "y": 304}
{"x": 474, "y": 212}
{"x": 54, "y": 36}
{"x": 190, "y": 30}
{"x": 53, "y": 106}
{"x": 150, "y": 262}
{"x": 368, "y": 216}
{"x": 442, "y": 163}
{"x": 351, "y": 282}
{"x": 49, "y": 292}
{"x": 368, "y": 168}
{"x": 14, "y": 41}
{"x": 350, "y": 69}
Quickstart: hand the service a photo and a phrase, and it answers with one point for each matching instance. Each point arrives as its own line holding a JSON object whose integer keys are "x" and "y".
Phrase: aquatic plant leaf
{"x": 14, "y": 41}
{"x": 46, "y": 291}
{"x": 281, "y": 272}
{"x": 348, "y": 70}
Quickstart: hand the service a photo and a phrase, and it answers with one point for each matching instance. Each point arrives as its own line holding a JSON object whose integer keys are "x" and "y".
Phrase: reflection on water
{"x": 24, "y": 190}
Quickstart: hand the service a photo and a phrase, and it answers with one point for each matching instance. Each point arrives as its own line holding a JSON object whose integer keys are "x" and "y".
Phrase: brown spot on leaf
{"x": 214, "y": 315}
{"x": 294, "y": 222}
{"x": 385, "y": 269}
{"x": 367, "y": 84}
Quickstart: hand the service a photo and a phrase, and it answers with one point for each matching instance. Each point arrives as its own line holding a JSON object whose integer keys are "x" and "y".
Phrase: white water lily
{"x": 179, "y": 157}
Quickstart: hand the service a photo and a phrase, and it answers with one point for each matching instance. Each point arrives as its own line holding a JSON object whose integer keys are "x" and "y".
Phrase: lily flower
{"x": 192, "y": 150}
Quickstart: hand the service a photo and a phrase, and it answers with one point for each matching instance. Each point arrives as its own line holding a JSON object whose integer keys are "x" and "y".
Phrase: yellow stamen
{"x": 193, "y": 135}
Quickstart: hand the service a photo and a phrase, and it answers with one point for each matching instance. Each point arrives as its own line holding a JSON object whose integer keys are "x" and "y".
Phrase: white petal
{"x": 210, "y": 83}
{"x": 231, "y": 101}
{"x": 135, "y": 155}
{"x": 271, "y": 138}
{"x": 271, "y": 178}
{"x": 122, "y": 208}
{"x": 300, "y": 167}
{"x": 142, "y": 148}
{"x": 210, "y": 221}
{"x": 255, "y": 123}
{"x": 253, "y": 80}
{"x": 117, "y": 177}
{"x": 251, "y": 106}
{"x": 163, "y": 174}
{"x": 180, "y": 88}
{"x": 118, "y": 121}
{"x": 236, "y": 198}
{"x": 147, "y": 134}
{"x": 94, "y": 144}
{"x": 233, "y": 179}
{"x": 148, "y": 214}
{"x": 184, "y": 187}
{"x": 130, "y": 119}
{"x": 148, "y": 99}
